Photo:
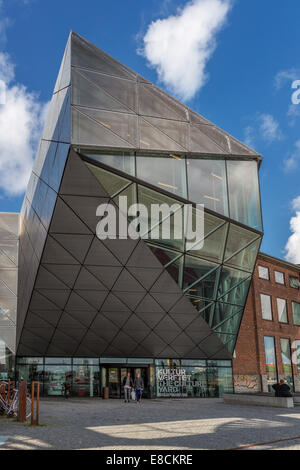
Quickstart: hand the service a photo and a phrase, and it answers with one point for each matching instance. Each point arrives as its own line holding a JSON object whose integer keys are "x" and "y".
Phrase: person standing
{"x": 127, "y": 384}
{"x": 139, "y": 386}
{"x": 282, "y": 389}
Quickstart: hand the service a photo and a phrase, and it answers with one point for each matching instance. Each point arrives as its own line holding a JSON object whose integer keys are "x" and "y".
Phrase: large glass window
{"x": 263, "y": 272}
{"x": 296, "y": 312}
{"x": 266, "y": 307}
{"x": 219, "y": 381}
{"x": 297, "y": 357}
{"x": 279, "y": 277}
{"x": 294, "y": 282}
{"x": 207, "y": 183}
{"x": 282, "y": 310}
{"x": 123, "y": 161}
{"x": 244, "y": 199}
{"x": 286, "y": 361}
{"x": 271, "y": 365}
{"x": 55, "y": 378}
{"x": 167, "y": 172}
{"x": 85, "y": 379}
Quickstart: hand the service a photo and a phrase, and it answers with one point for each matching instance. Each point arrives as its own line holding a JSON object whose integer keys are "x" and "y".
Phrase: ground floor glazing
{"x": 167, "y": 378}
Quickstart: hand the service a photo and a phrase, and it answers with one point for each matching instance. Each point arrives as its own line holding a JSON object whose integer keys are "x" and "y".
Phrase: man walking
{"x": 127, "y": 384}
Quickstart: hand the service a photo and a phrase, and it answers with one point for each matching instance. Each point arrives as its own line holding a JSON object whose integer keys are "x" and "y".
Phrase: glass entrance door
{"x": 114, "y": 382}
{"x": 115, "y": 377}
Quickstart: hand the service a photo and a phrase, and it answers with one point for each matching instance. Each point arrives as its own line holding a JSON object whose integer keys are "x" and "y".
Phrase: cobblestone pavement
{"x": 155, "y": 424}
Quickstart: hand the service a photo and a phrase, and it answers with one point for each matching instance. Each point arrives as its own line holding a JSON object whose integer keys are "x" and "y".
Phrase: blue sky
{"x": 248, "y": 59}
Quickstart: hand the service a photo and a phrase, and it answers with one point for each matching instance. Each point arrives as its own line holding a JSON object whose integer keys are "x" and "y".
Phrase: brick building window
{"x": 294, "y": 282}
{"x": 296, "y": 313}
{"x": 282, "y": 311}
{"x": 266, "y": 307}
{"x": 279, "y": 277}
{"x": 287, "y": 361}
{"x": 271, "y": 365}
{"x": 297, "y": 348}
{"x": 263, "y": 272}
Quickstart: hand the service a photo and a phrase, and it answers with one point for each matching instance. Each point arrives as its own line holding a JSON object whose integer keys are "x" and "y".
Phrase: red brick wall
{"x": 249, "y": 352}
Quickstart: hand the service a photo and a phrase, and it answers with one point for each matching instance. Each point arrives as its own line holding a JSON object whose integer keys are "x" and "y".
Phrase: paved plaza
{"x": 184, "y": 424}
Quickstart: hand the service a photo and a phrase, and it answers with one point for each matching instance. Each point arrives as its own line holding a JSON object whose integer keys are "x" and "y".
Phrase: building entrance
{"x": 116, "y": 374}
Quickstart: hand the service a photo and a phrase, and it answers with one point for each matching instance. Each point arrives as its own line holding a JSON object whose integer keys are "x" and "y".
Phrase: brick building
{"x": 268, "y": 346}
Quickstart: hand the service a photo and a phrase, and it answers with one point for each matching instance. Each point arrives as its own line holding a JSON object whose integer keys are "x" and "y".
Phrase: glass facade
{"x": 162, "y": 377}
{"x": 109, "y": 134}
{"x": 227, "y": 187}
{"x": 271, "y": 363}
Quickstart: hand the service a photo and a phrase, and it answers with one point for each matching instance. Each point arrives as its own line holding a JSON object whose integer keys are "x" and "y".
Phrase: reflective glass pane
{"x": 213, "y": 245}
{"x": 246, "y": 258}
{"x": 279, "y": 277}
{"x": 223, "y": 313}
{"x": 230, "y": 326}
{"x": 238, "y": 238}
{"x": 207, "y": 183}
{"x": 286, "y": 361}
{"x": 85, "y": 380}
{"x": 195, "y": 269}
{"x": 263, "y": 272}
{"x": 163, "y": 218}
{"x": 123, "y": 161}
{"x": 271, "y": 366}
{"x": 111, "y": 182}
{"x": 164, "y": 255}
{"x": 219, "y": 381}
{"x": 205, "y": 288}
{"x": 296, "y": 312}
{"x": 195, "y": 384}
{"x": 131, "y": 194}
{"x": 266, "y": 307}
{"x": 282, "y": 310}
{"x": 175, "y": 270}
{"x": 55, "y": 378}
{"x": 237, "y": 295}
{"x": 230, "y": 278}
{"x": 167, "y": 172}
{"x": 243, "y": 187}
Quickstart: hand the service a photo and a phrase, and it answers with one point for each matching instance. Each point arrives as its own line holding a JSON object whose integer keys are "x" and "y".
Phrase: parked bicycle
{"x": 9, "y": 401}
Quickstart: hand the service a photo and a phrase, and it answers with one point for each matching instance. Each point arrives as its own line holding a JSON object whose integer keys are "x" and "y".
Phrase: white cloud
{"x": 286, "y": 76}
{"x": 292, "y": 161}
{"x": 269, "y": 128}
{"x": 179, "y": 46}
{"x": 293, "y": 244}
{"x": 21, "y": 120}
{"x": 249, "y": 136}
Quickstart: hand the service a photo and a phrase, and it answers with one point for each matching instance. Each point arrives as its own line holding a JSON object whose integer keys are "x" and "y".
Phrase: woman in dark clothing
{"x": 282, "y": 389}
{"x": 138, "y": 385}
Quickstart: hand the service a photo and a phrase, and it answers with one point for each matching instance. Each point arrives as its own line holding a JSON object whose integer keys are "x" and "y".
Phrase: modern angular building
{"x": 89, "y": 309}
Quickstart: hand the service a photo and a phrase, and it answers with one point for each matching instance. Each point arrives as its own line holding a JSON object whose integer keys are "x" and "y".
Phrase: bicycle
{"x": 10, "y": 405}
